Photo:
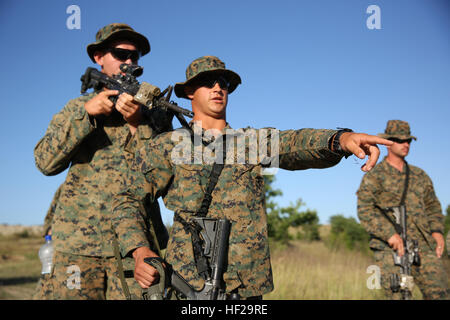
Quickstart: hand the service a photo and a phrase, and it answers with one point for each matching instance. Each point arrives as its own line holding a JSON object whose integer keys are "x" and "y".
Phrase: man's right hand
{"x": 396, "y": 243}
{"x": 100, "y": 104}
{"x": 144, "y": 274}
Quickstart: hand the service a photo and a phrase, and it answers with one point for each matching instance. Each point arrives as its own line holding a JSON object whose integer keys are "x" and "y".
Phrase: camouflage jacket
{"x": 238, "y": 196}
{"x": 51, "y": 211}
{"x": 97, "y": 152}
{"x": 383, "y": 187}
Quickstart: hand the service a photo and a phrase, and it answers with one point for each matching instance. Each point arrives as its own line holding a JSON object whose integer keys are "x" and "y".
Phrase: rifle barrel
{"x": 175, "y": 108}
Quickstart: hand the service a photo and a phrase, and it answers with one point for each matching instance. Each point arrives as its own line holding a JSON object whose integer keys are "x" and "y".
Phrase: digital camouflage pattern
{"x": 44, "y": 288}
{"x": 51, "y": 212}
{"x": 118, "y": 31}
{"x": 397, "y": 129}
{"x": 238, "y": 196}
{"x": 207, "y": 65}
{"x": 448, "y": 243}
{"x": 97, "y": 152}
{"x": 383, "y": 186}
{"x": 65, "y": 283}
{"x": 430, "y": 277}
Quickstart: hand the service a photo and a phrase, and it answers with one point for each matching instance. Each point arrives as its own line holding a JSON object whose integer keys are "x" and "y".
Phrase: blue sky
{"x": 304, "y": 64}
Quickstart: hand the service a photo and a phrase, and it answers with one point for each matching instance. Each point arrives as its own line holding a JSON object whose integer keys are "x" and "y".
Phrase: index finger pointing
{"x": 377, "y": 140}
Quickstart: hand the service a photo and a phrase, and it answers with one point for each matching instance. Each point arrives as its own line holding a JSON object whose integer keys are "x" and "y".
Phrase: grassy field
{"x": 19, "y": 266}
{"x": 301, "y": 270}
{"x": 311, "y": 271}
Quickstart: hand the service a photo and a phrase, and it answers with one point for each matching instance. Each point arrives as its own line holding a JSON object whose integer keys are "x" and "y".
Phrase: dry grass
{"x": 19, "y": 266}
{"x": 302, "y": 270}
{"x": 311, "y": 271}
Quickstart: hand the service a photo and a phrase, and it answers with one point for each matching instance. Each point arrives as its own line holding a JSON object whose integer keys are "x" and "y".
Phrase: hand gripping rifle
{"x": 143, "y": 93}
{"x": 215, "y": 234}
{"x": 404, "y": 283}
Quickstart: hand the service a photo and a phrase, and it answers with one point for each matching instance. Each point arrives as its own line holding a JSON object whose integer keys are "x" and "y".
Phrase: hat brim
{"x": 397, "y": 136}
{"x": 232, "y": 77}
{"x": 138, "y": 39}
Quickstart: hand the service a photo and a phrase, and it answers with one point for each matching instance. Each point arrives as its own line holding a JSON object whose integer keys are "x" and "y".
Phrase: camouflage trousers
{"x": 430, "y": 277}
{"x": 75, "y": 277}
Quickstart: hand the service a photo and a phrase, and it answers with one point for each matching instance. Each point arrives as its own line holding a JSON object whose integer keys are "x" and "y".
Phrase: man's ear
{"x": 98, "y": 57}
{"x": 189, "y": 91}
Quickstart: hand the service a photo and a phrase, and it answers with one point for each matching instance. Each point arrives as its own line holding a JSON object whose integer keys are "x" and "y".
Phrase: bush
{"x": 347, "y": 233}
{"x": 279, "y": 220}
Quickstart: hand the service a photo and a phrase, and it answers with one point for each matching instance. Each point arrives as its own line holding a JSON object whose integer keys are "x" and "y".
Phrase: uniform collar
{"x": 388, "y": 167}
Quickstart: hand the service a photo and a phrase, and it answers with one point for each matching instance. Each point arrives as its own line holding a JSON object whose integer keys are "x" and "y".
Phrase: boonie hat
{"x": 117, "y": 31}
{"x": 203, "y": 66}
{"x": 397, "y": 129}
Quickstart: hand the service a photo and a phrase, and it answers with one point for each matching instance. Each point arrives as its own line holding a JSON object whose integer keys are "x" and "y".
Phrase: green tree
{"x": 347, "y": 233}
{"x": 280, "y": 219}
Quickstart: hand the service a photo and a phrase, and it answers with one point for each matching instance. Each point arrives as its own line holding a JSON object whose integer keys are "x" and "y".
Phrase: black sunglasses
{"x": 400, "y": 140}
{"x": 211, "y": 81}
{"x": 124, "y": 54}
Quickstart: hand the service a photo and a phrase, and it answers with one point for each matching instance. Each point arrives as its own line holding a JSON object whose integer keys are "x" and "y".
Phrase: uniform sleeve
{"x": 370, "y": 216}
{"x": 148, "y": 178}
{"x": 306, "y": 148}
{"x": 66, "y": 131}
{"x": 433, "y": 207}
{"x": 48, "y": 220}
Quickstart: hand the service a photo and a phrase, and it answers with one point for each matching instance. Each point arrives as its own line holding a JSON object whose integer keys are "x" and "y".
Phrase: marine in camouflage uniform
{"x": 383, "y": 187}
{"x": 97, "y": 140}
{"x": 238, "y": 195}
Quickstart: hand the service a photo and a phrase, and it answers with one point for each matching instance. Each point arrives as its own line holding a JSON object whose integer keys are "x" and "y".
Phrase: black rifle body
{"x": 143, "y": 93}
{"x": 409, "y": 258}
{"x": 215, "y": 234}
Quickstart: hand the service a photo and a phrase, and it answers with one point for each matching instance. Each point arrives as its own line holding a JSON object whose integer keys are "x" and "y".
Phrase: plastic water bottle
{"x": 46, "y": 255}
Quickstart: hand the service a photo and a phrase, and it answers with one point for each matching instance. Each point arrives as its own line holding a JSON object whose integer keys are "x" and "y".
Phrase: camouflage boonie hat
{"x": 203, "y": 66}
{"x": 118, "y": 31}
{"x": 397, "y": 129}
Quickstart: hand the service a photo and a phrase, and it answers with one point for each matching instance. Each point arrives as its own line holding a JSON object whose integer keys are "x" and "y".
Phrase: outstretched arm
{"x": 362, "y": 145}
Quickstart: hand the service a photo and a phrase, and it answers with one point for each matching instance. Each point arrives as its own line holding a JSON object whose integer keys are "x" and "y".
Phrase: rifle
{"x": 405, "y": 282}
{"x": 143, "y": 93}
{"x": 215, "y": 234}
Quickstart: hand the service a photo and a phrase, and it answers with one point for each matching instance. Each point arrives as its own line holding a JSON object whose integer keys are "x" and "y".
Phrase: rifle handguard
{"x": 146, "y": 93}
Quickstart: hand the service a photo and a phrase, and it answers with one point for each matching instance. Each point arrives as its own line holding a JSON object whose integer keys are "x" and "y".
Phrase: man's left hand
{"x": 439, "y": 238}
{"x": 362, "y": 145}
{"x": 130, "y": 110}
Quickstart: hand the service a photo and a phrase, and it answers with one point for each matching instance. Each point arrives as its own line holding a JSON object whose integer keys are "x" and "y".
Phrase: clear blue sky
{"x": 310, "y": 63}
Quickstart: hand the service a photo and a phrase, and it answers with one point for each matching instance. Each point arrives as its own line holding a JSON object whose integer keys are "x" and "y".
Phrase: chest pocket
{"x": 249, "y": 177}
{"x": 190, "y": 183}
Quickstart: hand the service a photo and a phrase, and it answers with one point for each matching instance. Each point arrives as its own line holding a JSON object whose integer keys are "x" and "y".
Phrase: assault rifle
{"x": 144, "y": 93}
{"x": 215, "y": 234}
{"x": 405, "y": 282}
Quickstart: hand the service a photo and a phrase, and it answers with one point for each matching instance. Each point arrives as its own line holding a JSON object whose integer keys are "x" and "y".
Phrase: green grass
{"x": 19, "y": 266}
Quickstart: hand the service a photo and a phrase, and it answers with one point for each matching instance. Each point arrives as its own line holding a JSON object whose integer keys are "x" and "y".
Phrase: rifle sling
{"x": 405, "y": 189}
{"x": 193, "y": 228}
{"x": 397, "y": 226}
{"x": 120, "y": 270}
